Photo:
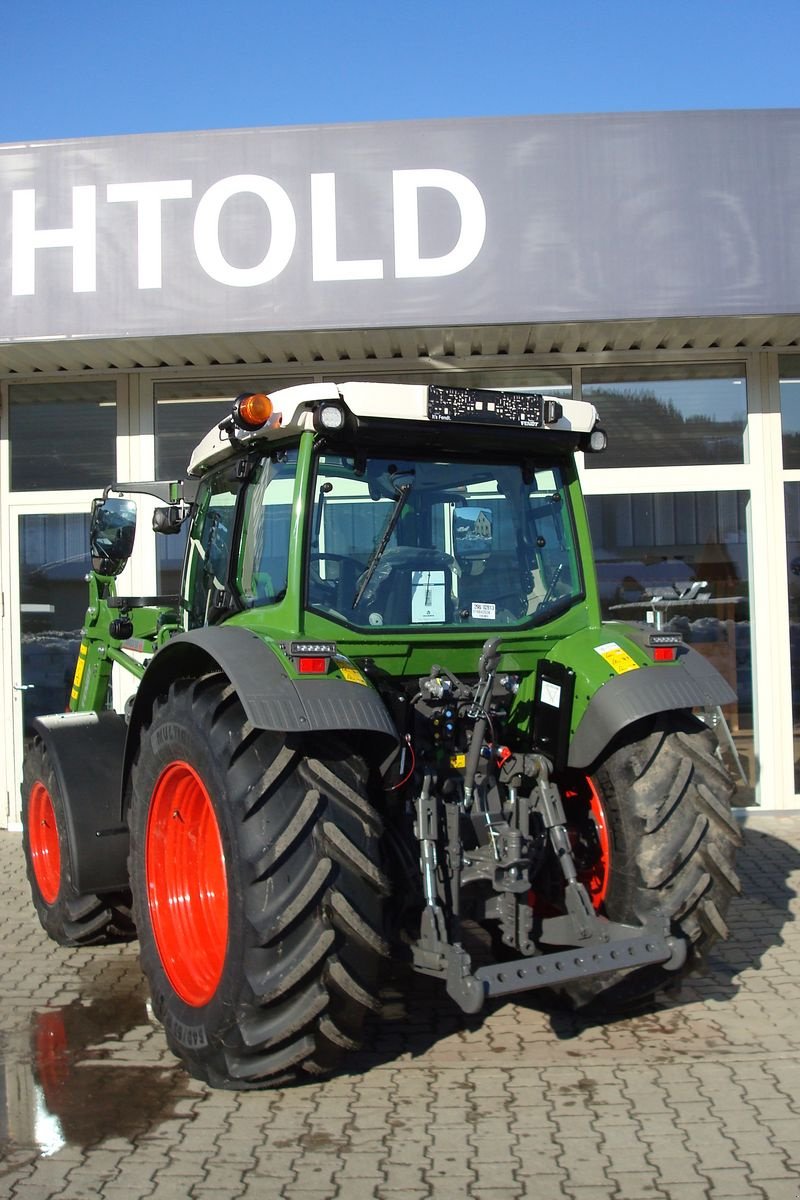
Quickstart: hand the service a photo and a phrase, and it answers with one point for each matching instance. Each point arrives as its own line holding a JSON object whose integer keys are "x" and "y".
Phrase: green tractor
{"x": 381, "y": 724}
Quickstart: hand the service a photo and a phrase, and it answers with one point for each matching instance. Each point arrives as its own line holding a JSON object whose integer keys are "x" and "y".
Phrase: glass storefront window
{"x": 53, "y": 562}
{"x": 170, "y": 553}
{"x": 792, "y": 502}
{"x": 63, "y": 435}
{"x": 555, "y": 381}
{"x": 688, "y": 551}
{"x": 789, "y": 367}
{"x": 656, "y": 420}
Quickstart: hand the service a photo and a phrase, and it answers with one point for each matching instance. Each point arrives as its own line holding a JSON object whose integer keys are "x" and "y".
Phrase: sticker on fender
{"x": 618, "y": 659}
{"x": 352, "y": 675}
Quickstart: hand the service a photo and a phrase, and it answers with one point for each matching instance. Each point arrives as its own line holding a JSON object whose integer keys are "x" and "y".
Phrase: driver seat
{"x": 391, "y": 588}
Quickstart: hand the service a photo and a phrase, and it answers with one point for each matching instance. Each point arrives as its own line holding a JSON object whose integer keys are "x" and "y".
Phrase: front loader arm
{"x": 114, "y": 627}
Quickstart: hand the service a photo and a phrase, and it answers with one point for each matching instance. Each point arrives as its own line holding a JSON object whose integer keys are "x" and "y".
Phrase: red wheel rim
{"x": 597, "y": 876}
{"x": 187, "y": 892}
{"x": 43, "y": 841}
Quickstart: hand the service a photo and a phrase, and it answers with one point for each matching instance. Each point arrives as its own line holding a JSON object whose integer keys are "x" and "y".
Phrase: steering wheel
{"x": 318, "y": 556}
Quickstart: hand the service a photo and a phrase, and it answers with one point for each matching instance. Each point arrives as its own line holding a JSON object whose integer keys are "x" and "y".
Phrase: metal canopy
{"x": 421, "y": 348}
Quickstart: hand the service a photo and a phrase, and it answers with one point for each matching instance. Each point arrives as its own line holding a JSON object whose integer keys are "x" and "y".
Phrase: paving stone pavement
{"x": 699, "y": 1097}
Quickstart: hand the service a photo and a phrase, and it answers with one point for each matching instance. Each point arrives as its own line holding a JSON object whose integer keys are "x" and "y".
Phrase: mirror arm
{"x": 168, "y": 491}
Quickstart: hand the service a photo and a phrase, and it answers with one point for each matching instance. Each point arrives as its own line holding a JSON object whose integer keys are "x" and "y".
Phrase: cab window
{"x": 239, "y": 542}
{"x": 266, "y": 525}
{"x": 209, "y": 547}
{"x": 426, "y": 542}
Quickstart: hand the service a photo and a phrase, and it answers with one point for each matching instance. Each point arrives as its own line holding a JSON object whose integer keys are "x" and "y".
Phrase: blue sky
{"x": 79, "y": 68}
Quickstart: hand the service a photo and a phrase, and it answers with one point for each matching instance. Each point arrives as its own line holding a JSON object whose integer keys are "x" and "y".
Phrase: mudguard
{"x": 270, "y": 698}
{"x": 86, "y": 751}
{"x": 691, "y": 682}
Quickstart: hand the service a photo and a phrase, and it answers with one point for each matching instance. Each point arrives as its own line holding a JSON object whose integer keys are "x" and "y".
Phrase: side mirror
{"x": 472, "y": 532}
{"x": 111, "y": 534}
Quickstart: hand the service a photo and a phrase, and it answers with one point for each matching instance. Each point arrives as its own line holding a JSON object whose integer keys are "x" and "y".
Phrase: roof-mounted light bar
{"x": 336, "y": 411}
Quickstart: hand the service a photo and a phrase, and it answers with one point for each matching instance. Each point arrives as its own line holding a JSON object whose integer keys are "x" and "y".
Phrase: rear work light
{"x": 252, "y": 410}
{"x": 329, "y": 417}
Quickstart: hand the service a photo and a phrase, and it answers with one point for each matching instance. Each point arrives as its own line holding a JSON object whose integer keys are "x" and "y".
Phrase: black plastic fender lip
{"x": 549, "y": 970}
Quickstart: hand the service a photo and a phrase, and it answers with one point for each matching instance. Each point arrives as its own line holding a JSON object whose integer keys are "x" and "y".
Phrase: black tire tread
{"x": 668, "y": 796}
{"x": 74, "y": 919}
{"x": 271, "y": 924}
{"x": 306, "y": 840}
{"x": 343, "y": 849}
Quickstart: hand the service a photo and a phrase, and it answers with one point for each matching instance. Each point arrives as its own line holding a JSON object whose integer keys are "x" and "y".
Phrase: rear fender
{"x": 271, "y": 699}
{"x": 86, "y": 750}
{"x": 690, "y": 682}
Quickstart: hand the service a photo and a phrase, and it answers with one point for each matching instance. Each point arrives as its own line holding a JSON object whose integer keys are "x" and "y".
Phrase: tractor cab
{"x": 418, "y": 510}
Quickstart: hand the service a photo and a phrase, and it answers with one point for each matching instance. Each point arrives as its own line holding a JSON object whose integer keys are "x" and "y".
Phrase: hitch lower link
{"x": 589, "y": 944}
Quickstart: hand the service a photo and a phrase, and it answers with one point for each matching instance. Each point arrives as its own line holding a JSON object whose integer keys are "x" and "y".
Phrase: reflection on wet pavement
{"x": 60, "y": 1087}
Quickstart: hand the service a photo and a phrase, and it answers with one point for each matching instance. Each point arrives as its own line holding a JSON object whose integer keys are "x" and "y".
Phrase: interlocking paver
{"x": 637, "y": 1185}
{"x": 696, "y": 1099}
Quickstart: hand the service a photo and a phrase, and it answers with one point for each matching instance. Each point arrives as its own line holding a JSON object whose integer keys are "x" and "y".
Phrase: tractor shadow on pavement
{"x": 418, "y": 1014}
{"x": 769, "y": 870}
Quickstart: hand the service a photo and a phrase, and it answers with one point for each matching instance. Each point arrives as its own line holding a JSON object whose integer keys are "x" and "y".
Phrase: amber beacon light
{"x": 251, "y": 410}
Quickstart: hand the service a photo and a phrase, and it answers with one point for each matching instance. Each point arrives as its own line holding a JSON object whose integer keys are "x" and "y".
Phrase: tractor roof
{"x": 331, "y": 407}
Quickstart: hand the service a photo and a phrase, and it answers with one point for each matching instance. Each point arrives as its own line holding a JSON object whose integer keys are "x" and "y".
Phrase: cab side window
{"x": 262, "y": 574}
{"x": 209, "y": 550}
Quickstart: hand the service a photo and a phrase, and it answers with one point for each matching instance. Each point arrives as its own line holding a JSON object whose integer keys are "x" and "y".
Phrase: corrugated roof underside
{"x": 512, "y": 345}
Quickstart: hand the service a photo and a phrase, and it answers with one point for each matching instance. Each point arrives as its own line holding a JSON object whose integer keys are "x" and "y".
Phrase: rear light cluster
{"x": 664, "y": 646}
{"x": 312, "y": 658}
{"x": 309, "y": 664}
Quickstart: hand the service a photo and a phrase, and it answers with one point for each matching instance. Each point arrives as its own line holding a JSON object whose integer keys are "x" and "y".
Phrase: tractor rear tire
{"x": 258, "y": 890}
{"x": 67, "y": 916}
{"x": 669, "y": 845}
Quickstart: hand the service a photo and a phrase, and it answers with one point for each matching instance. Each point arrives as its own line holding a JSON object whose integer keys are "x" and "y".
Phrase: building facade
{"x": 647, "y": 262}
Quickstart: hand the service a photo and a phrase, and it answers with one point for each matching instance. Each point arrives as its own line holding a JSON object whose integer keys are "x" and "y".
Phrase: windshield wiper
{"x": 548, "y": 610}
{"x": 394, "y": 516}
